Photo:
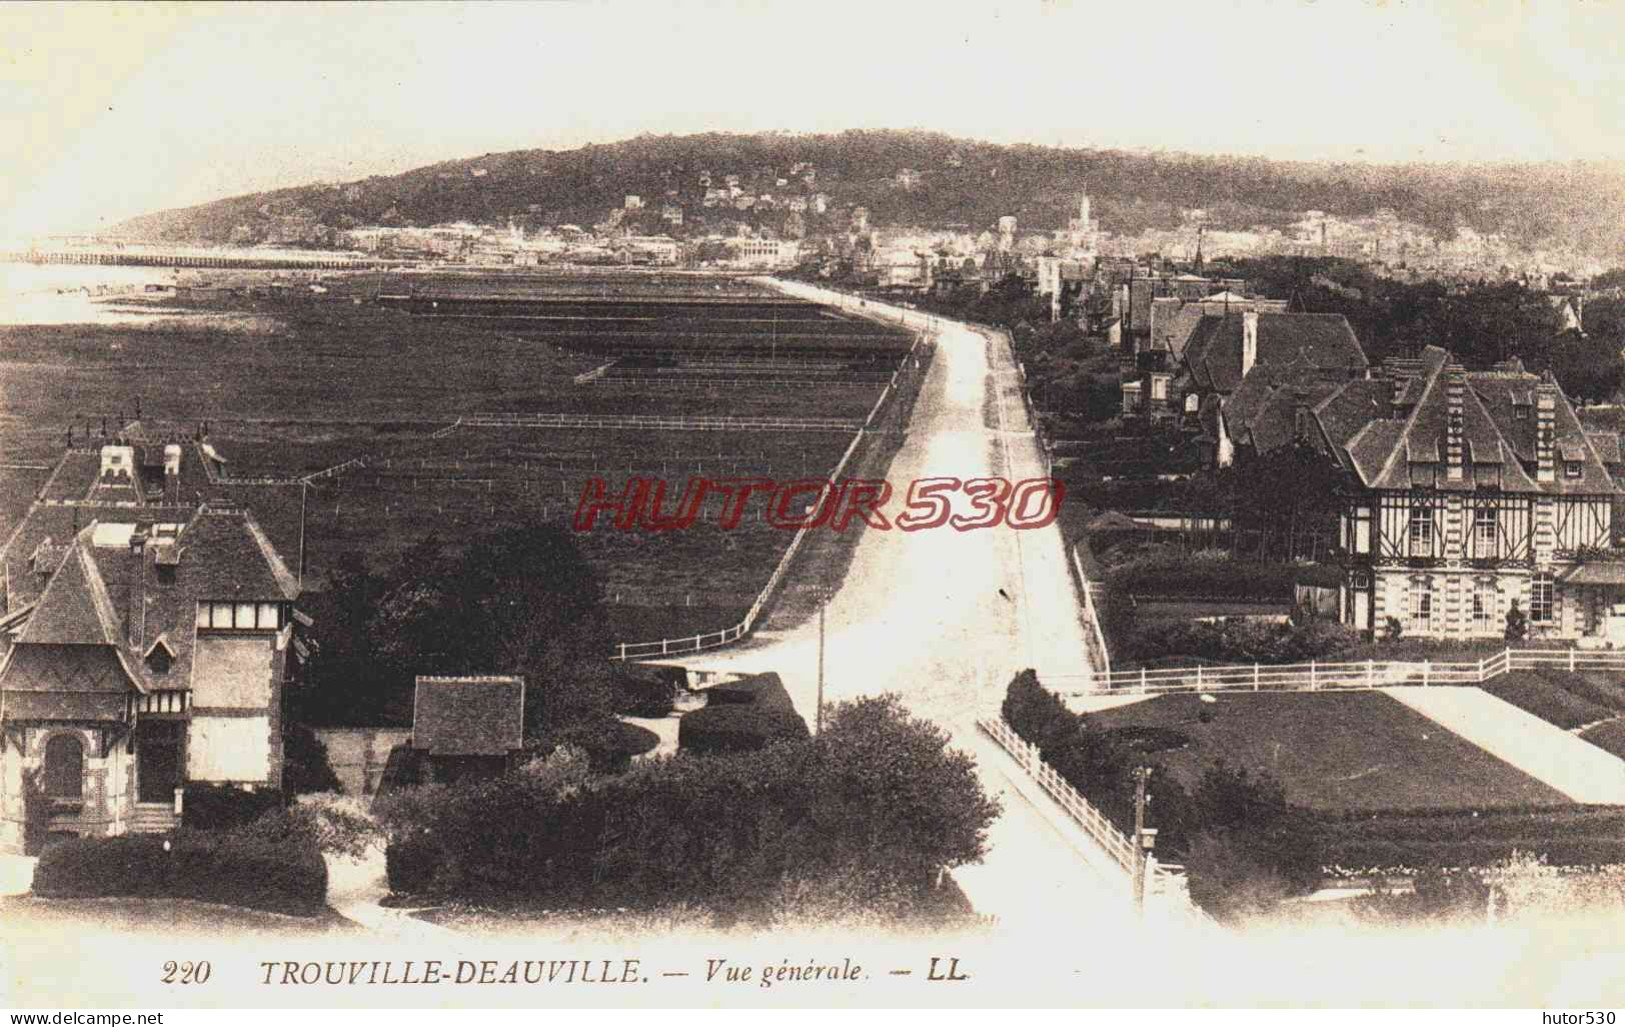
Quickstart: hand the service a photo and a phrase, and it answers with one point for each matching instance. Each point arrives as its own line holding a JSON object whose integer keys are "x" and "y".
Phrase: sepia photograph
{"x": 768, "y": 505}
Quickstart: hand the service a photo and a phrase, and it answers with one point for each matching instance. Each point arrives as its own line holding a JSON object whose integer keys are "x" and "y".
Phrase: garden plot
{"x": 1337, "y": 752}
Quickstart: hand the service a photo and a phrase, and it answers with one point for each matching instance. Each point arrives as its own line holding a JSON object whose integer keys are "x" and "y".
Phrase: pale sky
{"x": 116, "y": 110}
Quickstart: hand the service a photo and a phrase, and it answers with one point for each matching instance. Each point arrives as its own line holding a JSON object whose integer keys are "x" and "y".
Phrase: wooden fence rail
{"x": 1316, "y": 676}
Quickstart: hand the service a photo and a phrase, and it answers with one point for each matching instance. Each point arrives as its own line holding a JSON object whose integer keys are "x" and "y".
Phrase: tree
{"x": 1589, "y": 368}
{"x": 1253, "y": 848}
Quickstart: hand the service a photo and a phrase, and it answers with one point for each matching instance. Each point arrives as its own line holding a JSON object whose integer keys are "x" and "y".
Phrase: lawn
{"x": 1559, "y": 697}
{"x": 1609, "y": 736}
{"x": 1335, "y": 751}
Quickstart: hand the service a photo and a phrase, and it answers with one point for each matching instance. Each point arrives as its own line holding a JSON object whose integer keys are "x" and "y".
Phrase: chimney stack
{"x": 1249, "y": 341}
{"x": 172, "y": 474}
{"x": 1545, "y": 429}
{"x": 136, "y": 617}
{"x": 1455, "y": 390}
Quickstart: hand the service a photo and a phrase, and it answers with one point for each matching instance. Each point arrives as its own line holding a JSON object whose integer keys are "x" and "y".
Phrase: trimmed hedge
{"x": 1164, "y": 571}
{"x": 736, "y": 727}
{"x": 222, "y": 807}
{"x": 764, "y": 690}
{"x": 648, "y": 691}
{"x": 740, "y": 716}
{"x": 234, "y": 868}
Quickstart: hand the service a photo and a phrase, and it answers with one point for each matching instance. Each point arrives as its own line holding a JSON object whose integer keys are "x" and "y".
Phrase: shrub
{"x": 1229, "y": 880}
{"x": 1238, "y": 640}
{"x": 282, "y": 873}
{"x": 412, "y": 863}
{"x": 131, "y": 864}
{"x": 305, "y": 767}
{"x": 635, "y": 740}
{"x": 647, "y": 691}
{"x": 735, "y": 727}
{"x": 208, "y": 807}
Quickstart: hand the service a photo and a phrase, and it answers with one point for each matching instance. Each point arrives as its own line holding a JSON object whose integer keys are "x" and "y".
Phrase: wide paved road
{"x": 944, "y": 619}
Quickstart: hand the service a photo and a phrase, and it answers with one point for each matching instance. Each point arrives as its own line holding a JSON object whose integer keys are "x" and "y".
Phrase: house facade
{"x": 1467, "y": 492}
{"x": 143, "y": 652}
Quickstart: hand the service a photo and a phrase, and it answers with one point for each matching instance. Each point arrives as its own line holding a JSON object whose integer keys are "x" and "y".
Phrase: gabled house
{"x": 1205, "y": 362}
{"x": 143, "y": 648}
{"x": 1468, "y": 491}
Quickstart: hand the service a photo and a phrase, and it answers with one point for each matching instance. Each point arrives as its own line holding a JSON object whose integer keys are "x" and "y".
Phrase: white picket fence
{"x": 1165, "y": 881}
{"x": 1316, "y": 676}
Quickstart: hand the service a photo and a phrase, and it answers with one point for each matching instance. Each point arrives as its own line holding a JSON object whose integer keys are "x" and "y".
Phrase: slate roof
{"x": 468, "y": 716}
{"x": 1213, "y": 353}
{"x": 1379, "y": 428}
{"x": 110, "y": 599}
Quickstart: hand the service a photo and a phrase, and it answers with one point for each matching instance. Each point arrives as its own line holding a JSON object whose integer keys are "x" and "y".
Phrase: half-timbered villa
{"x": 1469, "y": 491}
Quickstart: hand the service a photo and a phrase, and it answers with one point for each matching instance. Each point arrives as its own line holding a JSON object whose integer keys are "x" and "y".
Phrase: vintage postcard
{"x": 955, "y": 505}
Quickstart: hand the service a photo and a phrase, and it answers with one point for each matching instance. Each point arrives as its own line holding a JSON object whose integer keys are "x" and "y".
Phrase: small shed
{"x": 467, "y": 726}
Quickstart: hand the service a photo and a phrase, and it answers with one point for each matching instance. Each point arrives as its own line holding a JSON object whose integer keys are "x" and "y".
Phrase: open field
{"x": 1336, "y": 752}
{"x": 464, "y": 480}
{"x": 302, "y": 383}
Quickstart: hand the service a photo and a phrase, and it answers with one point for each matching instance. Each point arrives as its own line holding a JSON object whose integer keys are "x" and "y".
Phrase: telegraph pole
{"x": 818, "y": 712}
{"x": 1141, "y": 775}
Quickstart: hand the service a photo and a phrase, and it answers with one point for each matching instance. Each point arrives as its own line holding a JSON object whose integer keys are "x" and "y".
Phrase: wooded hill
{"x": 961, "y": 182}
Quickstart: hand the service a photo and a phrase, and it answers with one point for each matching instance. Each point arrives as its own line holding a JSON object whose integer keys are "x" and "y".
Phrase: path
{"x": 1544, "y": 751}
{"x": 945, "y": 618}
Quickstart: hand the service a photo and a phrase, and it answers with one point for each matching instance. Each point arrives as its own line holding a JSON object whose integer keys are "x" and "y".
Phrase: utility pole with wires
{"x": 818, "y": 710}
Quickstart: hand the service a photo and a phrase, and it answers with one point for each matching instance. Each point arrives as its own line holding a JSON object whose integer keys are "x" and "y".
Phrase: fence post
{"x": 1255, "y": 677}
{"x": 1427, "y": 672}
{"x": 1371, "y": 673}
{"x": 1314, "y": 685}
{"x": 1142, "y": 680}
{"x": 1571, "y": 659}
{"x": 1198, "y": 677}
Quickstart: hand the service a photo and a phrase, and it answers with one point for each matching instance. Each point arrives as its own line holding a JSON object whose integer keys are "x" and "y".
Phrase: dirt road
{"x": 944, "y": 618}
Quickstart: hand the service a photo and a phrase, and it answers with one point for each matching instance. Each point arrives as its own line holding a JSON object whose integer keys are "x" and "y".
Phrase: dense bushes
{"x": 873, "y": 807}
{"x": 1168, "y": 570}
{"x": 740, "y": 716}
{"x": 219, "y": 807}
{"x": 1238, "y": 640}
{"x": 279, "y": 872}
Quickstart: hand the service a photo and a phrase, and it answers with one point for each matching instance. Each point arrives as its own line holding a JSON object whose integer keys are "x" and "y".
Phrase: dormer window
{"x": 1521, "y": 411}
{"x": 160, "y": 657}
{"x": 1571, "y": 468}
